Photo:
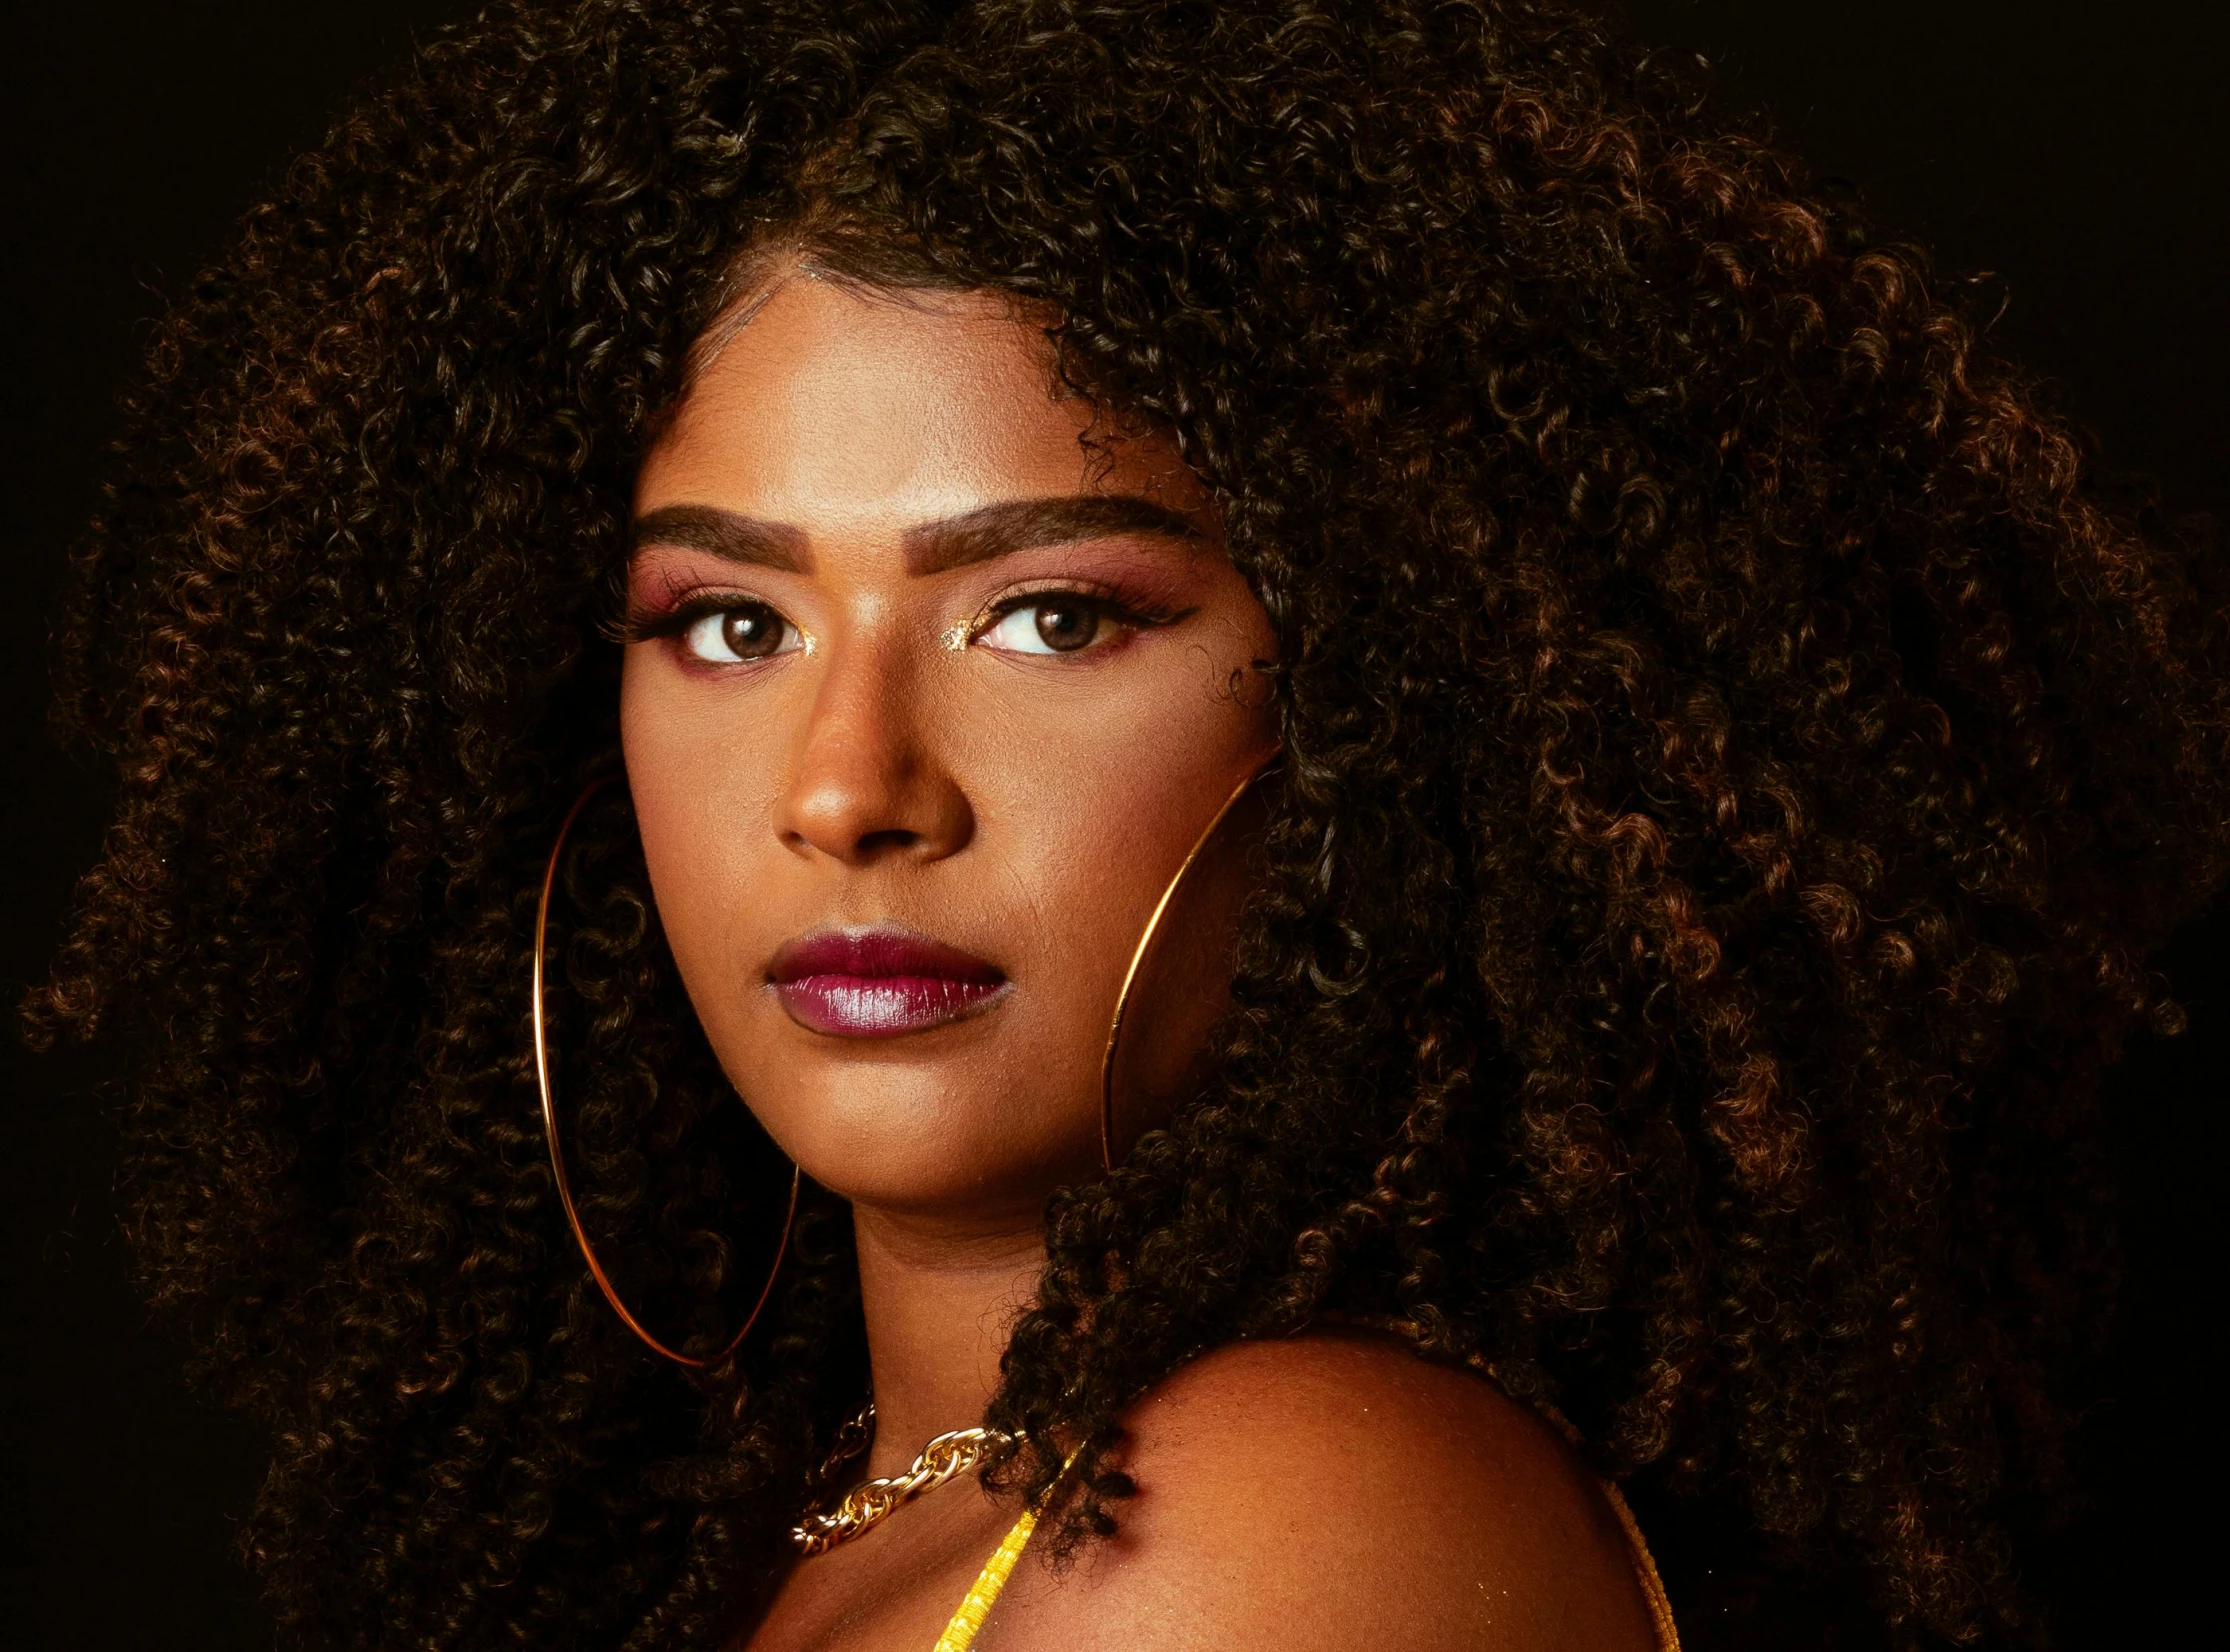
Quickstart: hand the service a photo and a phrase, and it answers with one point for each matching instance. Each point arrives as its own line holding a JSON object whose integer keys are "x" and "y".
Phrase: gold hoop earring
{"x": 1138, "y": 960}
{"x": 557, "y": 1157}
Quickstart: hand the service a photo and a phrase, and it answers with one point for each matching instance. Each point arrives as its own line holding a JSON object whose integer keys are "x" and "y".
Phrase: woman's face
{"x": 925, "y": 702}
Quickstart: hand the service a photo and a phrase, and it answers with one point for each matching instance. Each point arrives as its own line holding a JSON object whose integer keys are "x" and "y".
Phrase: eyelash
{"x": 1138, "y": 616}
{"x": 644, "y": 626}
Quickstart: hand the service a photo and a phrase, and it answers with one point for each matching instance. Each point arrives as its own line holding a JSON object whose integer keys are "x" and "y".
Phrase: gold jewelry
{"x": 943, "y": 1458}
{"x": 1138, "y": 959}
{"x": 856, "y": 1435}
{"x": 557, "y": 1157}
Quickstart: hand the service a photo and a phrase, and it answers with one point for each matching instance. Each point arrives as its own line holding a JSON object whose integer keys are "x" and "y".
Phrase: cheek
{"x": 662, "y": 754}
{"x": 1093, "y": 806}
{"x": 691, "y": 773}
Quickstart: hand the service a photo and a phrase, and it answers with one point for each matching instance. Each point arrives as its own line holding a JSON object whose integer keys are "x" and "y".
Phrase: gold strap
{"x": 1645, "y": 1570}
{"x": 960, "y": 1634}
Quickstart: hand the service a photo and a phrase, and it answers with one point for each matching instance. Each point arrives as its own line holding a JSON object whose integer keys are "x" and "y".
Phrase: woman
{"x": 752, "y": 550}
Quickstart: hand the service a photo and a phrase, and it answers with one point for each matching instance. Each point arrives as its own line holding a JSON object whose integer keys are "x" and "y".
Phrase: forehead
{"x": 827, "y": 402}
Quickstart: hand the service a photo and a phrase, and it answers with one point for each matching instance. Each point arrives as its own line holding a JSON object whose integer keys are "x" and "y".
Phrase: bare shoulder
{"x": 1331, "y": 1489}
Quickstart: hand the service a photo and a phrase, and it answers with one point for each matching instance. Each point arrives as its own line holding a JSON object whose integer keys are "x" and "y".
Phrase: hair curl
{"x": 1737, "y": 763}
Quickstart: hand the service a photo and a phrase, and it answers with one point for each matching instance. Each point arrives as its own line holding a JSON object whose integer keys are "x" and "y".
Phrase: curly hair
{"x": 1738, "y": 761}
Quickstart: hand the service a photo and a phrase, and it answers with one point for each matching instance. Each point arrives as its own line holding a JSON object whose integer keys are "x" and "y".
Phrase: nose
{"x": 864, "y": 784}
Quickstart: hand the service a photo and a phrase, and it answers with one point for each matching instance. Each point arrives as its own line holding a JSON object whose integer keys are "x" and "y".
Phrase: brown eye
{"x": 751, "y": 631}
{"x": 1065, "y": 624}
{"x": 1056, "y": 622}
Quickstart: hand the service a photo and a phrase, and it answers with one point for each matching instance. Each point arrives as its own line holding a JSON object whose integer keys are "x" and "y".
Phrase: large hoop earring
{"x": 557, "y": 1157}
{"x": 1138, "y": 961}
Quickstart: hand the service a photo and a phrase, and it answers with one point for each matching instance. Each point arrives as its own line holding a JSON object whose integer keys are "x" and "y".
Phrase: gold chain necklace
{"x": 943, "y": 1458}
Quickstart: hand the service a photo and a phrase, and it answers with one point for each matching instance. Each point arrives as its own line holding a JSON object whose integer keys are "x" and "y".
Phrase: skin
{"x": 897, "y": 743}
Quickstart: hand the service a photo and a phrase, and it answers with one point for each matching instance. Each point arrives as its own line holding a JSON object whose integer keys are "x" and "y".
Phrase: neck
{"x": 939, "y": 1302}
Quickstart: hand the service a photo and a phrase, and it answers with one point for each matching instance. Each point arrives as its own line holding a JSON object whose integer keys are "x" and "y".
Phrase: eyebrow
{"x": 1019, "y": 524}
{"x": 723, "y": 534}
{"x": 931, "y": 547}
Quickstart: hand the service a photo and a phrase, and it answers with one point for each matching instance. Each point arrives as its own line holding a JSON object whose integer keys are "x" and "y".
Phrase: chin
{"x": 926, "y": 1137}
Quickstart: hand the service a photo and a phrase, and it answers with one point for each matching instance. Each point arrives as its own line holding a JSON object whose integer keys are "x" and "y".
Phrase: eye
{"x": 734, "y": 636}
{"x": 1054, "y": 622}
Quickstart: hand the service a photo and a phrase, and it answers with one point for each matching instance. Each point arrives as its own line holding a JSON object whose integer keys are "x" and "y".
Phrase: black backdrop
{"x": 2079, "y": 151}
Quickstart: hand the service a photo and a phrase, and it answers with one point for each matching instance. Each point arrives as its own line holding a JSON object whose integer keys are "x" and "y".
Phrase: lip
{"x": 881, "y": 981}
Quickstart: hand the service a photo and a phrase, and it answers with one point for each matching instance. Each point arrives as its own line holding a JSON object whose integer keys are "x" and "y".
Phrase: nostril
{"x": 887, "y": 841}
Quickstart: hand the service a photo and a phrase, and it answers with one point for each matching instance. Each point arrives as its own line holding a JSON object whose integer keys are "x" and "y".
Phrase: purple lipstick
{"x": 882, "y": 982}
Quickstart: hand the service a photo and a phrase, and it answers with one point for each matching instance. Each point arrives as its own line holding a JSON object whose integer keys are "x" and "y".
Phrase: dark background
{"x": 2080, "y": 152}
